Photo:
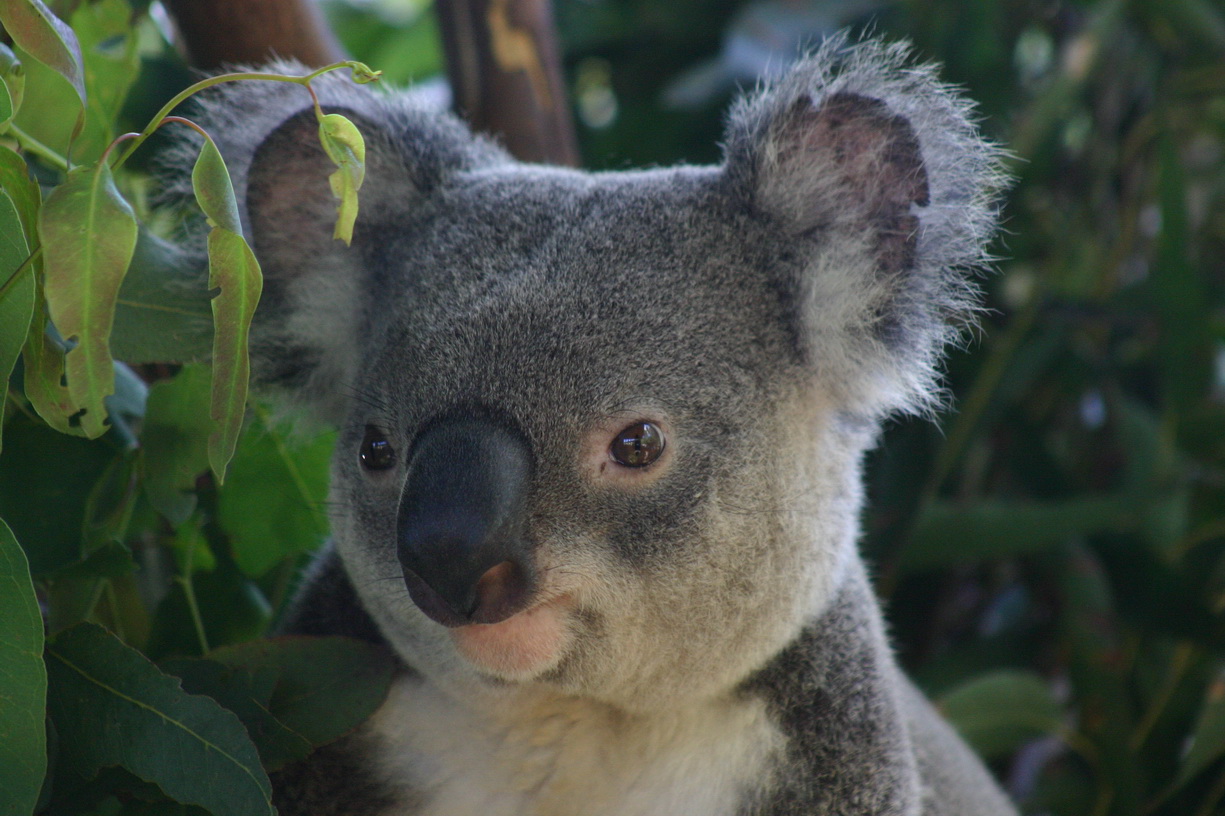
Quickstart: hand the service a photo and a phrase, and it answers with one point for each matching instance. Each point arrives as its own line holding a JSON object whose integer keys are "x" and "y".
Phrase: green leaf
{"x": 88, "y": 232}
{"x": 247, "y": 696}
{"x": 14, "y": 75}
{"x": 7, "y": 108}
{"x": 46, "y": 38}
{"x": 46, "y": 479}
{"x": 43, "y": 361}
{"x": 293, "y": 693}
{"x": 271, "y": 505}
{"x": 111, "y": 706}
{"x": 997, "y": 712}
{"x": 109, "y": 52}
{"x": 163, "y": 313}
{"x": 23, "y": 682}
{"x": 1208, "y": 735}
{"x": 345, "y": 147}
{"x": 951, "y": 533}
{"x": 210, "y": 181}
{"x": 15, "y": 180}
{"x": 174, "y": 441}
{"x": 17, "y": 304}
{"x": 233, "y": 269}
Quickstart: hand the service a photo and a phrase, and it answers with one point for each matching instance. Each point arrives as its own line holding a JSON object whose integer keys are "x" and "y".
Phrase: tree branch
{"x": 230, "y": 32}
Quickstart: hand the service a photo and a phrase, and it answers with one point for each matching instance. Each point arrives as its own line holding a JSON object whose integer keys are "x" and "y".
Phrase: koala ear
{"x": 315, "y": 309}
{"x": 872, "y": 173}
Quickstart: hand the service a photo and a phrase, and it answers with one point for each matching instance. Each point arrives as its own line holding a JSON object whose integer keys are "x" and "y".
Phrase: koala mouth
{"x": 524, "y": 645}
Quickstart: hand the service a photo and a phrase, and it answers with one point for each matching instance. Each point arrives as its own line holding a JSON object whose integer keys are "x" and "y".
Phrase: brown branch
{"x": 505, "y": 69}
{"x": 220, "y": 32}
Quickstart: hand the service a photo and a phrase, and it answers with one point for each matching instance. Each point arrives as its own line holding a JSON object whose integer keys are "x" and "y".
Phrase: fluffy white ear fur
{"x": 877, "y": 170}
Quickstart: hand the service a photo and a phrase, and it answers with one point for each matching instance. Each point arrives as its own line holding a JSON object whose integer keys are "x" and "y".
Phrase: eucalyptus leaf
{"x": 7, "y": 105}
{"x": 15, "y": 180}
{"x": 48, "y": 39}
{"x": 1207, "y": 736}
{"x": 111, "y": 61}
{"x": 17, "y": 304}
{"x": 46, "y": 479}
{"x": 271, "y": 506}
{"x": 111, "y": 706}
{"x": 23, "y": 682}
{"x": 174, "y": 441}
{"x": 14, "y": 75}
{"x": 343, "y": 143}
{"x": 42, "y": 358}
{"x": 998, "y": 712}
{"x": 234, "y": 270}
{"x": 163, "y": 313}
{"x": 294, "y": 694}
{"x": 88, "y": 232}
{"x": 210, "y": 181}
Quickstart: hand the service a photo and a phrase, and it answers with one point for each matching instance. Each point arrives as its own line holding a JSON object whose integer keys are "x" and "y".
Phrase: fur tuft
{"x": 879, "y": 333}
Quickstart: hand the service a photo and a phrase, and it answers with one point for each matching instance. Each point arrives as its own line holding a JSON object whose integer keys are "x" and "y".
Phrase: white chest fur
{"x": 549, "y": 757}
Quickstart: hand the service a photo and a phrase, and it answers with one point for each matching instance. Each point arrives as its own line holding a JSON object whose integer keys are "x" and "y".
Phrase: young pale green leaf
{"x": 88, "y": 232}
{"x": 111, "y": 706}
{"x": 234, "y": 270}
{"x": 363, "y": 73}
{"x": 23, "y": 682}
{"x": 14, "y": 75}
{"x": 15, "y": 180}
{"x": 997, "y": 712}
{"x": 17, "y": 304}
{"x": 214, "y": 192}
{"x": 46, "y": 38}
{"x": 345, "y": 147}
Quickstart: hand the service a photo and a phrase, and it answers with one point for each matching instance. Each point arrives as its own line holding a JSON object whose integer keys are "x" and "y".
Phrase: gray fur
{"x": 721, "y": 649}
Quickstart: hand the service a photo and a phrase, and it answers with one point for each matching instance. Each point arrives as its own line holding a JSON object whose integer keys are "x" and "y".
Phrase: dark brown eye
{"x": 376, "y": 452}
{"x": 637, "y": 445}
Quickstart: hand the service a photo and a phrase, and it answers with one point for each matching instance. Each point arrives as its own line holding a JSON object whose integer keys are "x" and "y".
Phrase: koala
{"x": 598, "y": 481}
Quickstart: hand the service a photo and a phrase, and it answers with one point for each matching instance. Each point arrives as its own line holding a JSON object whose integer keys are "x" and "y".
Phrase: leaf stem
{"x": 39, "y": 149}
{"x": 189, "y": 593}
{"x": 183, "y": 95}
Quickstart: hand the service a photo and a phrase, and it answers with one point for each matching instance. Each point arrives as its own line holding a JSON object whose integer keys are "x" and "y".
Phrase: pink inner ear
{"x": 876, "y": 153}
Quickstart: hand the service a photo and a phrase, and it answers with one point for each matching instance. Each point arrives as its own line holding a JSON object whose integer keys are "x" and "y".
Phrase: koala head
{"x": 601, "y": 432}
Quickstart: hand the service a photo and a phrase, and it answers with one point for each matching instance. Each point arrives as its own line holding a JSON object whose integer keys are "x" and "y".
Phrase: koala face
{"x": 608, "y": 318}
{"x": 601, "y": 433}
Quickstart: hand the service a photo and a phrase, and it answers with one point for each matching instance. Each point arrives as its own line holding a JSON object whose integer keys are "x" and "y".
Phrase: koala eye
{"x": 376, "y": 452}
{"x": 637, "y": 445}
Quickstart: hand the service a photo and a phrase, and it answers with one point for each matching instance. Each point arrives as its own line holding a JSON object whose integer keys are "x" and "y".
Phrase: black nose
{"x": 461, "y": 521}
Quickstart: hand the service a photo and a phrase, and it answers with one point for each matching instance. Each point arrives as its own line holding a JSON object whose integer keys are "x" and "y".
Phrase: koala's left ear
{"x": 875, "y": 174}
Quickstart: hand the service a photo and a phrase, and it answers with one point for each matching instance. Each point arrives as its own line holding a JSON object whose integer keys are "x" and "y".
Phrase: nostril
{"x": 430, "y": 602}
{"x": 500, "y": 592}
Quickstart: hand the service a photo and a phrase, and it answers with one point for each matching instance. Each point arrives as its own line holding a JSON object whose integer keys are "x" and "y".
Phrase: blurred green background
{"x": 1051, "y": 550}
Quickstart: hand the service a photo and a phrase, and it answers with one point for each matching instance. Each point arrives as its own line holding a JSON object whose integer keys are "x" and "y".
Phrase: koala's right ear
{"x": 311, "y": 322}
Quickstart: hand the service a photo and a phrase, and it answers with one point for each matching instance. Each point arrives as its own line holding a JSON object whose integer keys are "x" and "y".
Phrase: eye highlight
{"x": 637, "y": 445}
{"x": 376, "y": 452}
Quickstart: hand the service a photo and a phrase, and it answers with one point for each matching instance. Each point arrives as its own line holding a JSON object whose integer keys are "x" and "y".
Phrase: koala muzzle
{"x": 460, "y": 524}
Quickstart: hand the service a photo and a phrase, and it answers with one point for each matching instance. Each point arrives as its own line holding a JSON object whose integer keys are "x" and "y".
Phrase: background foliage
{"x": 1052, "y": 553}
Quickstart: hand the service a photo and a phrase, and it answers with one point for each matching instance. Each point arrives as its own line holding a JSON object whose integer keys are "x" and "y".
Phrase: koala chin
{"x": 597, "y": 482}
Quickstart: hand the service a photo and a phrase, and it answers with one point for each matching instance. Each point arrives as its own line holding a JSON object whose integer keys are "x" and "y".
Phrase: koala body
{"x": 597, "y": 482}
